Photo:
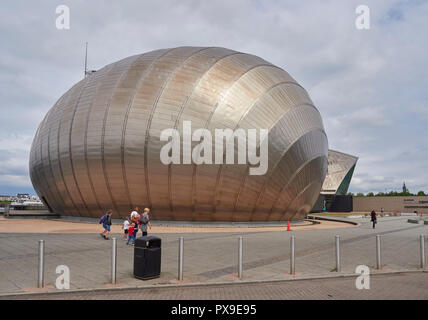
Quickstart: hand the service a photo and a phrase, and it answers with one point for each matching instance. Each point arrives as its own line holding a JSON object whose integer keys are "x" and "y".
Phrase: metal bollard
{"x": 292, "y": 260}
{"x": 338, "y": 253}
{"x": 180, "y": 259}
{"x": 113, "y": 260}
{"x": 240, "y": 257}
{"x": 41, "y": 275}
{"x": 422, "y": 239}
{"x": 378, "y": 260}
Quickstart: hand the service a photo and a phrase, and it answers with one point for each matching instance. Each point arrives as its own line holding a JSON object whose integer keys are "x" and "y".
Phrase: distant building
{"x": 23, "y": 196}
{"x": 405, "y": 188}
{"x": 340, "y": 170}
{"x": 395, "y": 204}
{"x": 333, "y": 197}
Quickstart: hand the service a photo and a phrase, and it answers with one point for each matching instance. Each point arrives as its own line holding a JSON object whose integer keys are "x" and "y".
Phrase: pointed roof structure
{"x": 340, "y": 170}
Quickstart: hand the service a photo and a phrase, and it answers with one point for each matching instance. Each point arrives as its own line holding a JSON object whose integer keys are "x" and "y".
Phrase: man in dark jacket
{"x": 373, "y": 218}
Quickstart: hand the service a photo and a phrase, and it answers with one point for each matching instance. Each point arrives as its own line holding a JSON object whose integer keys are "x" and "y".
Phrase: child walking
{"x": 125, "y": 227}
{"x": 131, "y": 234}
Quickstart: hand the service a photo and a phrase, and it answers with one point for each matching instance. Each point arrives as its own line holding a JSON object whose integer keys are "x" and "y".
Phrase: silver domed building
{"x": 99, "y": 146}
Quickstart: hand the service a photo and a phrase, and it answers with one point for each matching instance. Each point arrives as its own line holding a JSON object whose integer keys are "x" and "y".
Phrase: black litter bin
{"x": 147, "y": 257}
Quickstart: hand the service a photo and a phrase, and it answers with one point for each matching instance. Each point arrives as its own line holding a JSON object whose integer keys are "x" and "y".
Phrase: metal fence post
{"x": 240, "y": 257}
{"x": 378, "y": 258}
{"x": 338, "y": 253}
{"x": 41, "y": 274}
{"x": 292, "y": 260}
{"x": 113, "y": 260}
{"x": 422, "y": 247}
{"x": 180, "y": 259}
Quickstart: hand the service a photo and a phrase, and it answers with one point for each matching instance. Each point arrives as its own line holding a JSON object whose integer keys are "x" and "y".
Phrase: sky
{"x": 370, "y": 85}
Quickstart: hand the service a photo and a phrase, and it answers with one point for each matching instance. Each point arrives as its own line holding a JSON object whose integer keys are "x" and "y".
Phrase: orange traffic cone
{"x": 288, "y": 226}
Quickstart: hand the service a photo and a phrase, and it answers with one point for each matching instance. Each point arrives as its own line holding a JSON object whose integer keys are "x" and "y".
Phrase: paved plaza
{"x": 211, "y": 258}
{"x": 401, "y": 286}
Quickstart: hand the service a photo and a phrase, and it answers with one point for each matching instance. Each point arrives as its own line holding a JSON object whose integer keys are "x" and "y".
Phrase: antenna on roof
{"x": 86, "y": 63}
{"x": 86, "y": 60}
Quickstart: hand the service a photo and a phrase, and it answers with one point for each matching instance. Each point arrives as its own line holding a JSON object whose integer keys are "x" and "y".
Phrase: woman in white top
{"x": 134, "y": 219}
{"x": 134, "y": 213}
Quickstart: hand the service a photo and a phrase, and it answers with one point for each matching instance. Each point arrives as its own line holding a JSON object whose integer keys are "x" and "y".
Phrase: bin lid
{"x": 147, "y": 241}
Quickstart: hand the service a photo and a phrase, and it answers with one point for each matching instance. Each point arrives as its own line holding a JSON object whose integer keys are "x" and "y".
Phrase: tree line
{"x": 387, "y": 194}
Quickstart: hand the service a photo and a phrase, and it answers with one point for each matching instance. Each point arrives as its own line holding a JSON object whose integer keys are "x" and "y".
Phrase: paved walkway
{"x": 90, "y": 225}
{"x": 412, "y": 286}
{"x": 211, "y": 257}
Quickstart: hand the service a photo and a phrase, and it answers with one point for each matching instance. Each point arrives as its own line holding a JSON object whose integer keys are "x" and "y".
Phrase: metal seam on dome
{"x": 124, "y": 71}
{"x": 297, "y": 197}
{"x": 50, "y": 163}
{"x": 267, "y": 91}
{"x": 122, "y": 156}
{"x": 298, "y": 171}
{"x": 249, "y": 108}
{"x": 301, "y": 193}
{"x": 88, "y": 81}
{"x": 154, "y": 106}
{"x": 209, "y": 121}
{"x": 85, "y": 139}
{"x": 214, "y": 210}
{"x": 292, "y": 143}
{"x": 48, "y": 166}
{"x": 48, "y": 123}
{"x": 262, "y": 190}
{"x": 58, "y": 152}
{"x": 211, "y": 116}
{"x": 294, "y": 176}
{"x": 181, "y": 112}
{"x": 130, "y": 105}
{"x": 39, "y": 175}
{"x": 32, "y": 151}
{"x": 303, "y": 167}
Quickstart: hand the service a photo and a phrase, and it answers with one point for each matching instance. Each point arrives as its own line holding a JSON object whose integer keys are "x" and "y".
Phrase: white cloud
{"x": 14, "y": 142}
{"x": 15, "y": 180}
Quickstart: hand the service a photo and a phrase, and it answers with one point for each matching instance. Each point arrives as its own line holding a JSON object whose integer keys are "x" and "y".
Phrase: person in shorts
{"x": 107, "y": 225}
{"x": 125, "y": 227}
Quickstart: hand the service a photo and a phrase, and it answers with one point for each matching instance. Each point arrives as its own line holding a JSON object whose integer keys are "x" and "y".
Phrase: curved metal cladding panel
{"x": 99, "y": 146}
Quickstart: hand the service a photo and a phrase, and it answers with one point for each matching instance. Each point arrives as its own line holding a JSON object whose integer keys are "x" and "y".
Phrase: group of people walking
{"x": 137, "y": 221}
{"x": 134, "y": 222}
{"x": 131, "y": 224}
